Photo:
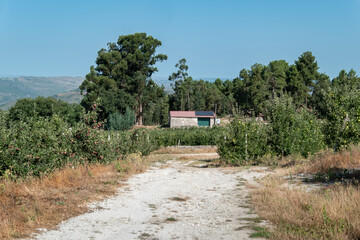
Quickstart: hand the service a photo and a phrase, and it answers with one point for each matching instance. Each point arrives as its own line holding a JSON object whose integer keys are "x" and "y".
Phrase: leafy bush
{"x": 293, "y": 131}
{"x": 41, "y": 144}
{"x": 27, "y": 108}
{"x": 246, "y": 142}
{"x": 121, "y": 122}
{"x": 342, "y": 125}
{"x": 289, "y": 132}
{"x": 36, "y": 146}
{"x": 188, "y": 136}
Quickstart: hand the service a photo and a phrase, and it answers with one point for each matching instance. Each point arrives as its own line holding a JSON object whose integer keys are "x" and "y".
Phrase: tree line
{"x": 120, "y": 84}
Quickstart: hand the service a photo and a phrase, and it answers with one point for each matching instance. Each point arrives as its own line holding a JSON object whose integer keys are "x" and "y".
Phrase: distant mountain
{"x": 163, "y": 81}
{"x": 13, "y": 88}
{"x": 7, "y": 75}
{"x": 72, "y": 96}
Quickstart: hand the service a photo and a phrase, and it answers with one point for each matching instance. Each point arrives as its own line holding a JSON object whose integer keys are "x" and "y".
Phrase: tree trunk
{"x": 140, "y": 111}
{"x": 188, "y": 101}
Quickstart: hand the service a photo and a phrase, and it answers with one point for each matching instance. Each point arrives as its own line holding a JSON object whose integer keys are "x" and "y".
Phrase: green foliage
{"x": 293, "y": 131}
{"x": 122, "y": 77}
{"x": 276, "y": 76}
{"x": 34, "y": 147}
{"x": 200, "y": 95}
{"x": 317, "y": 99}
{"x": 288, "y": 132}
{"x": 28, "y": 108}
{"x": 121, "y": 122}
{"x": 245, "y": 142}
{"x": 188, "y": 136}
{"x": 342, "y": 125}
{"x": 41, "y": 145}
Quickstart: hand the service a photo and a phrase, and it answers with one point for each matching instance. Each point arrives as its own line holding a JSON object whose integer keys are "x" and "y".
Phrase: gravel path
{"x": 177, "y": 202}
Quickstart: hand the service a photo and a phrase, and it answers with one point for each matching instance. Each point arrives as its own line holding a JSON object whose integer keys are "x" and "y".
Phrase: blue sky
{"x": 218, "y": 38}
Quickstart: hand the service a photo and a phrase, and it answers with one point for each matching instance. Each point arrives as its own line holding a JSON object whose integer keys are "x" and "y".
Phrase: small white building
{"x": 192, "y": 119}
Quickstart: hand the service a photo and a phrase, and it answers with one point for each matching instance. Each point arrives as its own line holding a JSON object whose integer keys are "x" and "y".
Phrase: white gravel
{"x": 215, "y": 207}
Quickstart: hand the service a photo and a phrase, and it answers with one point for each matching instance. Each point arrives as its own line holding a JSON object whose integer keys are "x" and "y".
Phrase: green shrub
{"x": 245, "y": 143}
{"x": 36, "y": 146}
{"x": 293, "y": 131}
{"x": 187, "y": 136}
{"x": 289, "y": 131}
{"x": 342, "y": 125}
{"x": 27, "y": 108}
{"x": 121, "y": 122}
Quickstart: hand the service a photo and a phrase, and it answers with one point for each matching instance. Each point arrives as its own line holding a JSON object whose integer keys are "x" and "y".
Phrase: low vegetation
{"x": 31, "y": 203}
{"x": 305, "y": 208}
{"x": 41, "y": 145}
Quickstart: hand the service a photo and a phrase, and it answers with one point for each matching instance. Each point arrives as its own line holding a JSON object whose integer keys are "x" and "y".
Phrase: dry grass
{"x": 326, "y": 161}
{"x": 199, "y": 157}
{"x": 186, "y": 149}
{"x": 296, "y": 214}
{"x": 43, "y": 202}
{"x": 333, "y": 212}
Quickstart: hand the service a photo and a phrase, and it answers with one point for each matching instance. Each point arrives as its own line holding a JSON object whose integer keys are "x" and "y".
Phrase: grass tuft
{"x": 171, "y": 219}
{"x": 179, "y": 199}
{"x": 260, "y": 232}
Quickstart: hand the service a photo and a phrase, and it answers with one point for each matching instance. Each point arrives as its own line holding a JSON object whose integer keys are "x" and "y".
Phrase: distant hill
{"x": 13, "y": 88}
{"x": 72, "y": 96}
{"x": 63, "y": 88}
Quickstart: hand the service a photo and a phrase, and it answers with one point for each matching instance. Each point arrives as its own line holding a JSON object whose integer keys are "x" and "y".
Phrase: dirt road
{"x": 180, "y": 201}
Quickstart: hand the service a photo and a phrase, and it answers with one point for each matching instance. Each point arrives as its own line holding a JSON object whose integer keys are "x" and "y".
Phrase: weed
{"x": 251, "y": 219}
{"x": 179, "y": 199}
{"x": 152, "y": 206}
{"x": 260, "y": 232}
{"x": 171, "y": 219}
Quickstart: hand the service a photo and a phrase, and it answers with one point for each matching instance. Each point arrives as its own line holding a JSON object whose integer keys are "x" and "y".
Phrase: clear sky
{"x": 218, "y": 38}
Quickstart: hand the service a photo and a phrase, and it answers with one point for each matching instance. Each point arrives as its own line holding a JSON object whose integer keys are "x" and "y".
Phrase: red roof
{"x": 191, "y": 114}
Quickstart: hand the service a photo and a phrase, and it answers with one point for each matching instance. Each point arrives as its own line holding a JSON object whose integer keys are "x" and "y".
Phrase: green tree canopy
{"x": 121, "y": 77}
{"x": 26, "y": 108}
{"x": 308, "y": 74}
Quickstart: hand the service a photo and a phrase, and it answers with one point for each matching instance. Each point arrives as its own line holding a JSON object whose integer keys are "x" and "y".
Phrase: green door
{"x": 204, "y": 122}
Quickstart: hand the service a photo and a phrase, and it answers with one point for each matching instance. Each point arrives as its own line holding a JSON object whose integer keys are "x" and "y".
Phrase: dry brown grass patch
{"x": 198, "y": 157}
{"x": 43, "y": 202}
{"x": 327, "y": 160}
{"x": 297, "y": 212}
{"x": 333, "y": 213}
{"x": 186, "y": 149}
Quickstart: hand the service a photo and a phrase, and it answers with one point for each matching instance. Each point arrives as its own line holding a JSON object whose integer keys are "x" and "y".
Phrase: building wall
{"x": 212, "y": 122}
{"x": 187, "y": 122}
{"x": 183, "y": 122}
